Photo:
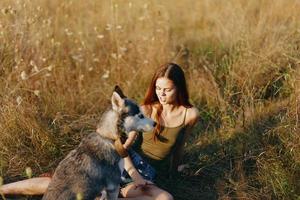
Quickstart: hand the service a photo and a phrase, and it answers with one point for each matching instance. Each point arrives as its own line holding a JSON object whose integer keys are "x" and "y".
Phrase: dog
{"x": 96, "y": 165}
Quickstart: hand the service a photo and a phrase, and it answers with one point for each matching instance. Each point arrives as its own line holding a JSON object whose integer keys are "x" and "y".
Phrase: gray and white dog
{"x": 96, "y": 164}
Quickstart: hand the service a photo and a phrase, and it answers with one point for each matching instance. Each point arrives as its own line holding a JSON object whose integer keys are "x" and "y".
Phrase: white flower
{"x": 123, "y": 49}
{"x": 96, "y": 60}
{"x": 49, "y": 68}
{"x": 81, "y": 77}
{"x": 32, "y": 63}
{"x": 24, "y": 75}
{"x": 35, "y": 69}
{"x": 114, "y": 56}
{"x": 36, "y": 92}
{"x": 106, "y": 74}
{"x": 100, "y": 36}
{"x": 108, "y": 27}
{"x": 19, "y": 100}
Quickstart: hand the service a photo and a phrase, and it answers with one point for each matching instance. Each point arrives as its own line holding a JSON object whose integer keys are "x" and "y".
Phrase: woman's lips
{"x": 162, "y": 99}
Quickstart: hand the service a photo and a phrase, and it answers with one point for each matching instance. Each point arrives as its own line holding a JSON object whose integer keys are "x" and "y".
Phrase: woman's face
{"x": 165, "y": 91}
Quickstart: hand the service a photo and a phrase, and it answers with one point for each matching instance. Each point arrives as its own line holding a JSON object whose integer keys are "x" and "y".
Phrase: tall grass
{"x": 59, "y": 61}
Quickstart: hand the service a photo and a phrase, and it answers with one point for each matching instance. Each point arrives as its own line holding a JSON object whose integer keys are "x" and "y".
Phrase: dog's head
{"x": 130, "y": 116}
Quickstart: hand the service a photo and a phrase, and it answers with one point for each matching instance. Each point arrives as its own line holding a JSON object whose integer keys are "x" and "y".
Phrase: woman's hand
{"x": 142, "y": 183}
{"x": 139, "y": 181}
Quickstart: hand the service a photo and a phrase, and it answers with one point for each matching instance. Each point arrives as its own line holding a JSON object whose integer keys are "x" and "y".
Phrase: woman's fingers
{"x": 143, "y": 183}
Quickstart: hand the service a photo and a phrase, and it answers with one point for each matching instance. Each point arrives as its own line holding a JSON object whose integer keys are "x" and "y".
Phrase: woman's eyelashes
{"x": 164, "y": 90}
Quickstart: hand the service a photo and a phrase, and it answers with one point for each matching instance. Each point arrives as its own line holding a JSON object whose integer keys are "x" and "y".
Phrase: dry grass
{"x": 59, "y": 61}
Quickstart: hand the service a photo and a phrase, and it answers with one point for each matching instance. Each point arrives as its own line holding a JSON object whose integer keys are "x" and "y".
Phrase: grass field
{"x": 59, "y": 61}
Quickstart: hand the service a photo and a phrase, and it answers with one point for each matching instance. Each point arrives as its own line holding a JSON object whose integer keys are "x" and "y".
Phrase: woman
{"x": 167, "y": 102}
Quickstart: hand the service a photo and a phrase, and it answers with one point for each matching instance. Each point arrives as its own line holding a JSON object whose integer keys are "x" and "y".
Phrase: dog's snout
{"x": 154, "y": 124}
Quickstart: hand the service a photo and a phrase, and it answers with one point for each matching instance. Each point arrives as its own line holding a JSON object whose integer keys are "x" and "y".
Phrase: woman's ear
{"x": 117, "y": 102}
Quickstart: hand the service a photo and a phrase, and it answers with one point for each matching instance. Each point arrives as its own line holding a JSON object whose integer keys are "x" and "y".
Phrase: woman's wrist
{"x": 135, "y": 175}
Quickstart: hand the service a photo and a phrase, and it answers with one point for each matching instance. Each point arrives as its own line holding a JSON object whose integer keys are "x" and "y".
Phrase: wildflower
{"x": 19, "y": 100}
{"x": 36, "y": 92}
{"x": 81, "y": 77}
{"x": 108, "y": 27}
{"x": 100, "y": 36}
{"x": 77, "y": 58}
{"x": 96, "y": 60}
{"x": 79, "y": 196}
{"x": 114, "y": 56}
{"x": 68, "y": 32}
{"x": 28, "y": 172}
{"x": 123, "y": 49}
{"x": 32, "y": 63}
{"x": 106, "y": 74}
{"x": 49, "y": 68}
{"x": 35, "y": 69}
{"x": 24, "y": 75}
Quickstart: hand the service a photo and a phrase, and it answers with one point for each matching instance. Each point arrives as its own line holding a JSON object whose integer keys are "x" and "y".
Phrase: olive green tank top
{"x": 161, "y": 148}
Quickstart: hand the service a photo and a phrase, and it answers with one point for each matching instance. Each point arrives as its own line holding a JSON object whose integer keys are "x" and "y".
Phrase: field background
{"x": 59, "y": 61}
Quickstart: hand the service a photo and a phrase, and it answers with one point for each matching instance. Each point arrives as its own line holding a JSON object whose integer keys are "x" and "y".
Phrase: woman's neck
{"x": 167, "y": 108}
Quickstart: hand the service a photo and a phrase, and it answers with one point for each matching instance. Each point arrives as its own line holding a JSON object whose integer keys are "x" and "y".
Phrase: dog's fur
{"x": 95, "y": 166}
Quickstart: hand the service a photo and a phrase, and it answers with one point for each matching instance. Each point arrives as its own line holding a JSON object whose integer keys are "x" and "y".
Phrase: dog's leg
{"x": 103, "y": 196}
{"x": 113, "y": 194}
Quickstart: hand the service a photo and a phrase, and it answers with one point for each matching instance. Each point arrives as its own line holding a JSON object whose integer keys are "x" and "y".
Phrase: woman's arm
{"x": 191, "y": 120}
{"x": 134, "y": 174}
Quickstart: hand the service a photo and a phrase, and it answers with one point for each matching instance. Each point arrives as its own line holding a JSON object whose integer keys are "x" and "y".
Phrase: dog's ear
{"x": 117, "y": 102}
{"x": 119, "y": 91}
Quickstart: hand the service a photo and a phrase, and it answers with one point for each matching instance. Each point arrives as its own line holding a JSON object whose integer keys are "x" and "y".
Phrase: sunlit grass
{"x": 59, "y": 61}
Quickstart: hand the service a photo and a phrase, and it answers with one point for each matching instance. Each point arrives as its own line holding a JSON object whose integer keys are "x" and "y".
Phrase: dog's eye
{"x": 141, "y": 116}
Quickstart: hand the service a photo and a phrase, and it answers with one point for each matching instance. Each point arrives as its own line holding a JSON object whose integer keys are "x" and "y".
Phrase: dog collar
{"x": 120, "y": 149}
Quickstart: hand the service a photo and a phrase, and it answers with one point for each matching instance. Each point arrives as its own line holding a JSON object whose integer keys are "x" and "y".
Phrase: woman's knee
{"x": 165, "y": 196}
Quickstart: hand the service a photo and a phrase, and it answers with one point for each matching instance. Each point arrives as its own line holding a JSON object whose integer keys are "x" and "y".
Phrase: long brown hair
{"x": 174, "y": 73}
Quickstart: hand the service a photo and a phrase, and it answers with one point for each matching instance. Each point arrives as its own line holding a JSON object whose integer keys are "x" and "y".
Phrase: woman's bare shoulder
{"x": 192, "y": 115}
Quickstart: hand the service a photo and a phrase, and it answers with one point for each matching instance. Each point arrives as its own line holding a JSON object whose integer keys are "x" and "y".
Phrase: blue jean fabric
{"x": 142, "y": 166}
